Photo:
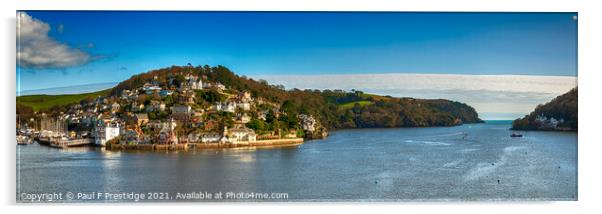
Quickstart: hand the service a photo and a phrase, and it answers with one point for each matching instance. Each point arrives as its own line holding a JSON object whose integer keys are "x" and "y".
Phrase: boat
{"x": 516, "y": 135}
{"x": 23, "y": 140}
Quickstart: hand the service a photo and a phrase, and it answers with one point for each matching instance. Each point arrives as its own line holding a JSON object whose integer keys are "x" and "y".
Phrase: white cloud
{"x": 493, "y": 96}
{"x": 36, "y": 49}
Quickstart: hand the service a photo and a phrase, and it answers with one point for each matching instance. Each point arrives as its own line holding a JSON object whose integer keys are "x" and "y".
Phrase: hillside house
{"x": 181, "y": 112}
{"x": 141, "y": 119}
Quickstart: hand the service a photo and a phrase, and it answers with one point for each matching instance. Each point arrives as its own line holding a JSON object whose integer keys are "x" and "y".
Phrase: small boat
{"x": 516, "y": 135}
{"x": 23, "y": 140}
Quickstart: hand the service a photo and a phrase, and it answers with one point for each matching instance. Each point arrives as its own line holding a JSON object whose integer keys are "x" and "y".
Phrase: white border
{"x": 589, "y": 87}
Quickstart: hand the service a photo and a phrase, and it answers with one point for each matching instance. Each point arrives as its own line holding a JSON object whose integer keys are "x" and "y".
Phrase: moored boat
{"x": 23, "y": 140}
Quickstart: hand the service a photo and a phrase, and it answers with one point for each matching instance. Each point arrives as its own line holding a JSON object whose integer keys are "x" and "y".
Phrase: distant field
{"x": 42, "y": 102}
{"x": 375, "y": 97}
{"x": 351, "y": 104}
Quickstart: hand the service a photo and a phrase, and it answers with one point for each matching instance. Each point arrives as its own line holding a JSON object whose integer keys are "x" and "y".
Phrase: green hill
{"x": 350, "y": 105}
{"x": 45, "y": 102}
{"x": 560, "y": 114}
{"x": 332, "y": 108}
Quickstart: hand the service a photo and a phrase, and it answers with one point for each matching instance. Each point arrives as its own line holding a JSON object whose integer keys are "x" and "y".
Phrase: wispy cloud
{"x": 74, "y": 89}
{"x": 493, "y": 96}
{"x": 37, "y": 50}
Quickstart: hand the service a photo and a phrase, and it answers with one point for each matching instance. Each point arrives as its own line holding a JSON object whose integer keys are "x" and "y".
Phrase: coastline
{"x": 403, "y": 127}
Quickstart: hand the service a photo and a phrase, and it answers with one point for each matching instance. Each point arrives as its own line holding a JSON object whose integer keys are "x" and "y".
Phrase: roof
{"x": 142, "y": 116}
{"x": 247, "y": 130}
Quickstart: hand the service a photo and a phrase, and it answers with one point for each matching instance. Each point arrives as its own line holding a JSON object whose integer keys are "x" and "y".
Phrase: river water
{"x": 469, "y": 162}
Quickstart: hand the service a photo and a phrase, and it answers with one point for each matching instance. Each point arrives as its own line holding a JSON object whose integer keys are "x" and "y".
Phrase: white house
{"x": 308, "y": 123}
{"x": 191, "y": 83}
{"x": 196, "y": 83}
{"x": 227, "y": 106}
{"x": 210, "y": 138}
{"x": 106, "y": 131}
{"x": 240, "y": 134}
{"x": 244, "y": 106}
{"x": 219, "y": 86}
{"x": 150, "y": 88}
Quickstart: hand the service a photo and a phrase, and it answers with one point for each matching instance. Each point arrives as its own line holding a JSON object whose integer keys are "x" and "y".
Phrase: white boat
{"x": 23, "y": 140}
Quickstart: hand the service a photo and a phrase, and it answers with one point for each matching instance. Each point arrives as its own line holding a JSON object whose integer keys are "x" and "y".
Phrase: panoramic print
{"x": 199, "y": 106}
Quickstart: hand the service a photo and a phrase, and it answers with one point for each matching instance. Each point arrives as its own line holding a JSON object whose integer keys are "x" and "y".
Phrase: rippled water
{"x": 358, "y": 165}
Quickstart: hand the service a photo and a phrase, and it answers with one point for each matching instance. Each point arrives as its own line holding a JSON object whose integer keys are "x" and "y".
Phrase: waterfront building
{"x": 240, "y": 134}
{"x": 210, "y": 138}
{"x": 167, "y": 134}
{"x": 106, "y": 131}
{"x": 193, "y": 138}
{"x": 308, "y": 123}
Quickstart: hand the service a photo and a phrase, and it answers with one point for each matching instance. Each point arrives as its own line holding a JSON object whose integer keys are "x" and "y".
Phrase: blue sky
{"x": 251, "y": 43}
{"x": 66, "y": 48}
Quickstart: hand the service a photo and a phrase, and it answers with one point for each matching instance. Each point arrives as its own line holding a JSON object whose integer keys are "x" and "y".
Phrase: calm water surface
{"x": 357, "y": 165}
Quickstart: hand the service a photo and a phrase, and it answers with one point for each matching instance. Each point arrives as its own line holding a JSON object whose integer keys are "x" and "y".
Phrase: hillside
{"x": 45, "y": 102}
{"x": 334, "y": 108}
{"x": 278, "y": 108}
{"x": 560, "y": 114}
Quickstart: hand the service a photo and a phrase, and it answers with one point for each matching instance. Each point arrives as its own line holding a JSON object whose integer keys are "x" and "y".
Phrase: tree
{"x": 257, "y": 125}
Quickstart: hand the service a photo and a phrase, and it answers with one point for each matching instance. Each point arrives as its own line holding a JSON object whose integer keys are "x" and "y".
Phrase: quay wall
{"x": 148, "y": 147}
{"x": 187, "y": 146}
{"x": 258, "y": 143}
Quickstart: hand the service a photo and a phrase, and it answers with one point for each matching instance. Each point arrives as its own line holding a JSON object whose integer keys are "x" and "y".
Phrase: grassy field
{"x": 42, "y": 102}
{"x": 351, "y": 104}
{"x": 375, "y": 97}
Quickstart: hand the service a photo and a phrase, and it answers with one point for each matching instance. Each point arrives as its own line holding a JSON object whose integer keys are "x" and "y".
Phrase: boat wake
{"x": 484, "y": 169}
{"x": 434, "y": 143}
{"x": 453, "y": 163}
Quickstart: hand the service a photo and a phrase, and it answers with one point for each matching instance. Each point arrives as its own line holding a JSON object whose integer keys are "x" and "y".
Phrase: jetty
{"x": 65, "y": 143}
